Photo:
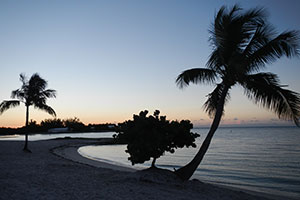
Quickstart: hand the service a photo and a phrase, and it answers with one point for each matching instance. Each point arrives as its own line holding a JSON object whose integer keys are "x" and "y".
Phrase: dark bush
{"x": 51, "y": 123}
{"x": 74, "y": 124}
{"x": 150, "y": 136}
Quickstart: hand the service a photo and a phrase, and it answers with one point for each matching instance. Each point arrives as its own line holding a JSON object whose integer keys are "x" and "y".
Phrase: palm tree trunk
{"x": 153, "y": 163}
{"x": 188, "y": 170}
{"x": 26, "y": 130}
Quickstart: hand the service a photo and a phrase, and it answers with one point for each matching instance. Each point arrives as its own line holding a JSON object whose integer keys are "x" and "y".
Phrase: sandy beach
{"x": 56, "y": 171}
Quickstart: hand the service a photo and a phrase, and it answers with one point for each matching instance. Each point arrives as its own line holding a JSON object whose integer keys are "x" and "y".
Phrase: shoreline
{"x": 71, "y": 153}
{"x": 55, "y": 170}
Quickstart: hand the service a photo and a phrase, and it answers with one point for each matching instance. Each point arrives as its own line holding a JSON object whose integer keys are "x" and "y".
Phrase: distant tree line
{"x": 72, "y": 125}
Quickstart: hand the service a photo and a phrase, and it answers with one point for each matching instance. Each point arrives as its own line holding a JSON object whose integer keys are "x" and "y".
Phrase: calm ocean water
{"x": 37, "y": 137}
{"x": 264, "y": 159}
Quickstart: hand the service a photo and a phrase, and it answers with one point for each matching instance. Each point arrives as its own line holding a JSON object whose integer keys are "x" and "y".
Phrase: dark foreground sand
{"x": 55, "y": 171}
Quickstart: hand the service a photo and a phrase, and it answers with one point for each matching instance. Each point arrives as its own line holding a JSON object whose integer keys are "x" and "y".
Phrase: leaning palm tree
{"x": 243, "y": 43}
{"x": 32, "y": 92}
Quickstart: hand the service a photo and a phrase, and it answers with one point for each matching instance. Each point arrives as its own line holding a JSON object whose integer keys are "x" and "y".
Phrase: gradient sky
{"x": 111, "y": 59}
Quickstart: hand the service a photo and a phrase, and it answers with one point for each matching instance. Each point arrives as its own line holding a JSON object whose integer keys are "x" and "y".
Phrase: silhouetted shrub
{"x": 150, "y": 136}
{"x": 74, "y": 124}
{"x": 33, "y": 127}
{"x": 51, "y": 123}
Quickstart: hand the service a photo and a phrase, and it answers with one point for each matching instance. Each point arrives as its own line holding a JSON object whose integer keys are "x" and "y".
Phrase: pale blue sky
{"x": 110, "y": 59}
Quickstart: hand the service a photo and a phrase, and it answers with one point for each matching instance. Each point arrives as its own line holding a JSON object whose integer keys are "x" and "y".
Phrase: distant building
{"x": 58, "y": 130}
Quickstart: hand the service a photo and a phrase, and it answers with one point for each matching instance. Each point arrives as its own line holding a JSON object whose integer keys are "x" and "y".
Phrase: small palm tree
{"x": 32, "y": 92}
{"x": 243, "y": 43}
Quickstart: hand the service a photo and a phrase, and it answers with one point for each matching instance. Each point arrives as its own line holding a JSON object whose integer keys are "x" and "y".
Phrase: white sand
{"x": 56, "y": 171}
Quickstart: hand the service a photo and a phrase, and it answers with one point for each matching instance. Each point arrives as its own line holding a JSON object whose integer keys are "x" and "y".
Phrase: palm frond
{"x": 5, "y": 105}
{"x": 37, "y": 100}
{"x": 23, "y": 79}
{"x": 264, "y": 89}
{"x": 253, "y": 18}
{"x": 49, "y": 93}
{"x": 45, "y": 108}
{"x": 36, "y": 83}
{"x": 231, "y": 33}
{"x": 196, "y": 75}
{"x": 242, "y": 26}
{"x": 36, "y": 92}
{"x": 215, "y": 61}
{"x": 211, "y": 104}
{"x": 19, "y": 94}
{"x": 262, "y": 35}
{"x": 233, "y": 10}
{"x": 14, "y": 93}
{"x": 267, "y": 50}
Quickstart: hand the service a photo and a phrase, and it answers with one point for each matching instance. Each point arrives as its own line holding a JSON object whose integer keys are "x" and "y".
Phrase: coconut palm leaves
{"x": 5, "y": 105}
{"x": 243, "y": 43}
{"x": 197, "y": 75}
{"x": 264, "y": 89}
{"x": 33, "y": 92}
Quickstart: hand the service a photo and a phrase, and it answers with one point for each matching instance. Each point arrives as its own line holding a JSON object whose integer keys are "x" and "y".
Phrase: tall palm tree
{"x": 33, "y": 92}
{"x": 243, "y": 43}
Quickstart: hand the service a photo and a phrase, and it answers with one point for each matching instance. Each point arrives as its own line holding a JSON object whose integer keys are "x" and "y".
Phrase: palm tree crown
{"x": 32, "y": 92}
{"x": 243, "y": 43}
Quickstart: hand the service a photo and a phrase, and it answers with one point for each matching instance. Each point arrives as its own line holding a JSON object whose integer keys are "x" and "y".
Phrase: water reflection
{"x": 37, "y": 137}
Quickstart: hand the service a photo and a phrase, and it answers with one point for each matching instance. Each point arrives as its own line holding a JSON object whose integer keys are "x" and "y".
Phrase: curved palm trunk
{"x": 26, "y": 130}
{"x": 188, "y": 170}
{"x": 153, "y": 163}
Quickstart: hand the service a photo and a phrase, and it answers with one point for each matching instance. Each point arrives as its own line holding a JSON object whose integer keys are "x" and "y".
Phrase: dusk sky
{"x": 111, "y": 59}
